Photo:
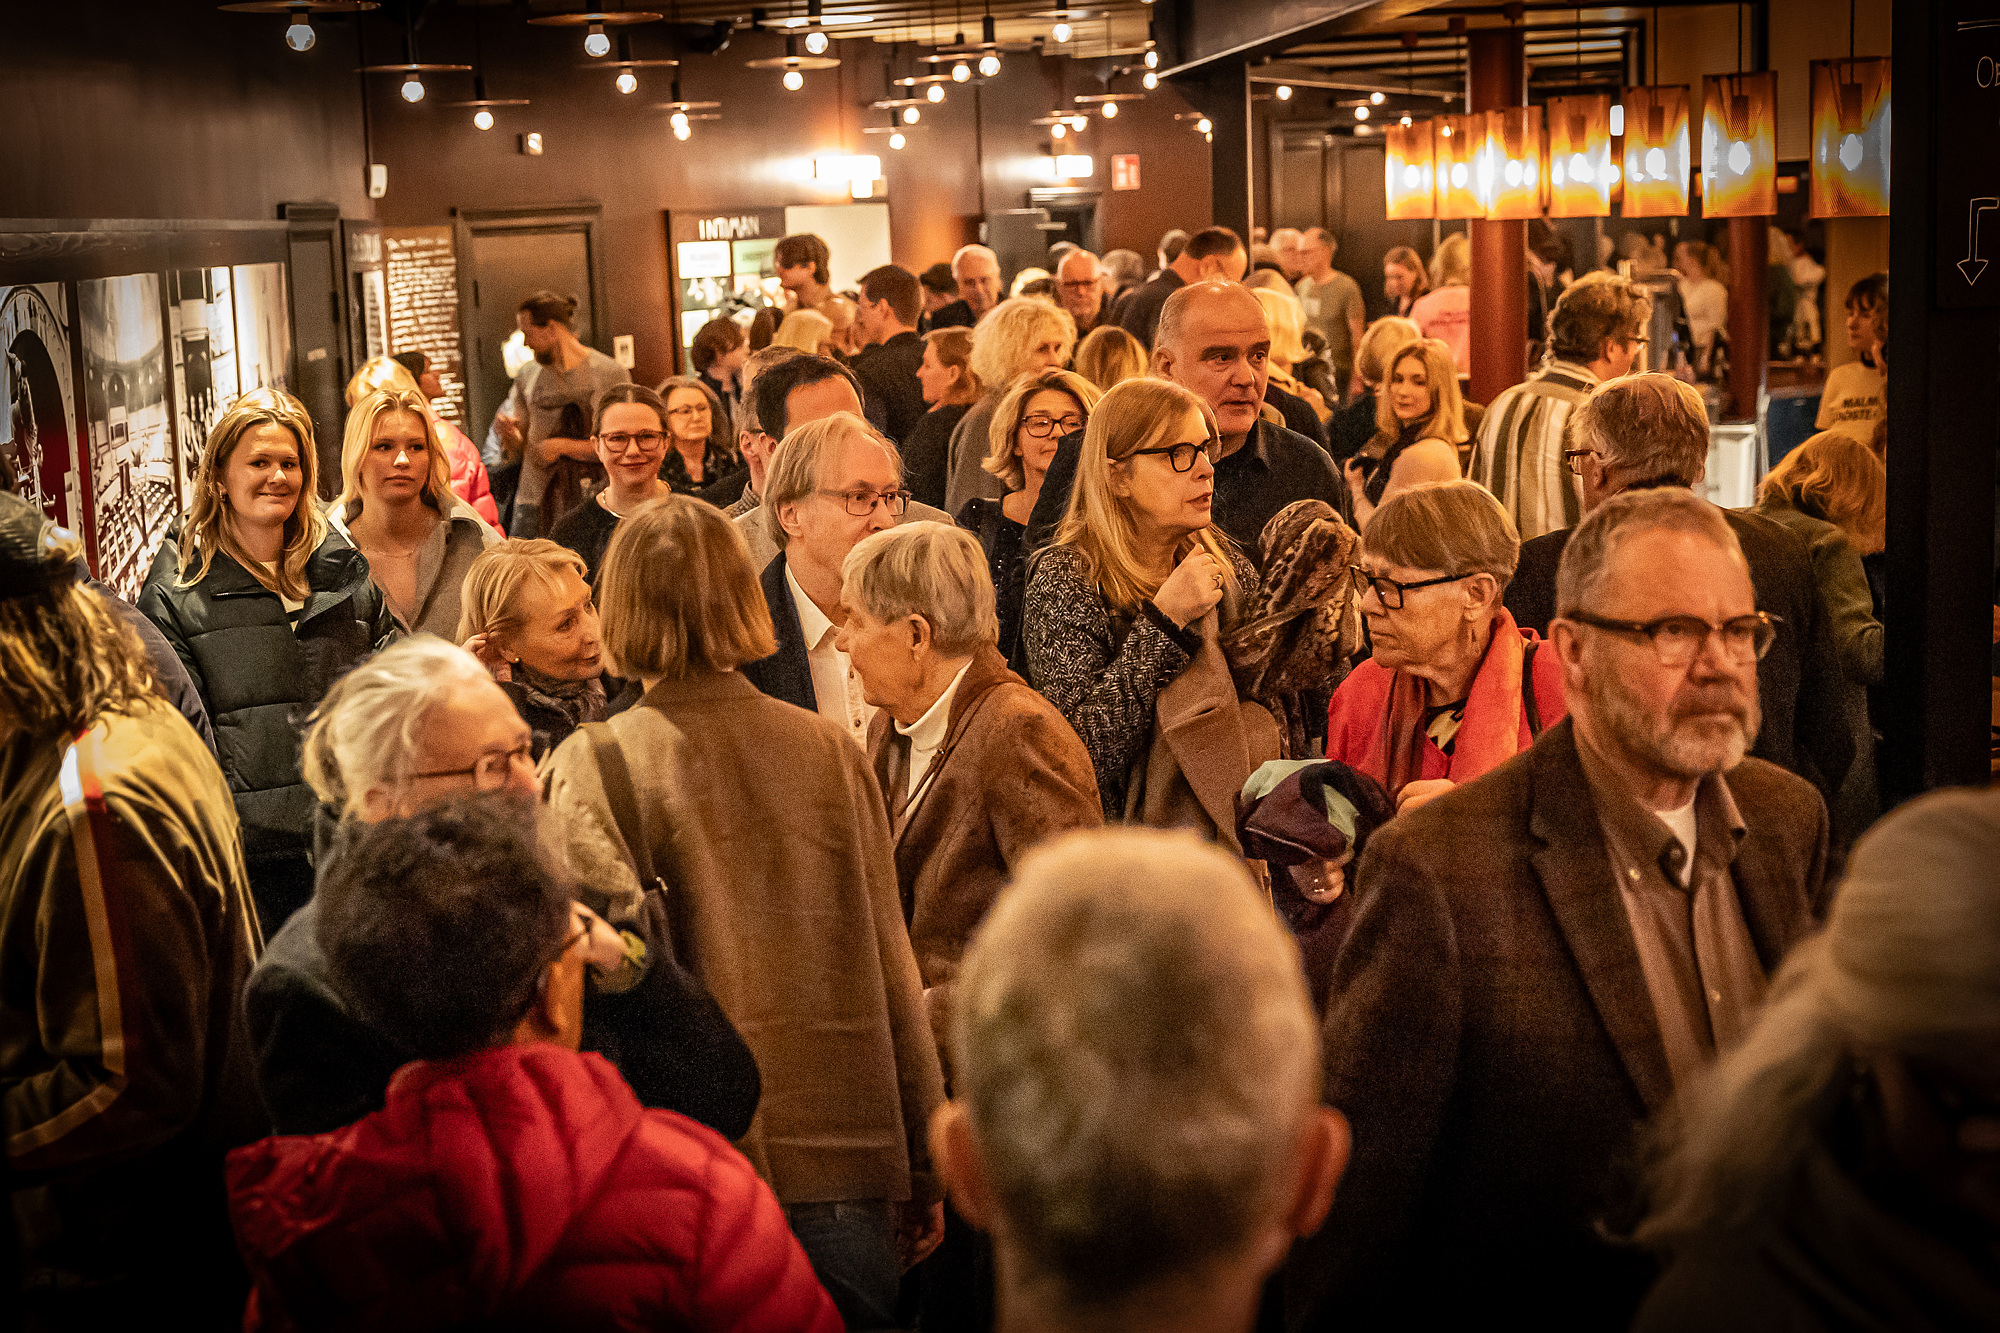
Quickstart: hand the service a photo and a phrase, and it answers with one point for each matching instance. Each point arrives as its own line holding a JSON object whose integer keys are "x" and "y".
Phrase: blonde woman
{"x": 266, "y": 608}
{"x": 1031, "y": 419}
{"x": 1419, "y": 428}
{"x": 410, "y": 372}
{"x": 807, "y": 330}
{"x": 1445, "y": 311}
{"x": 1287, "y": 322}
{"x": 1017, "y": 336}
{"x": 1108, "y": 355}
{"x": 397, "y": 506}
{"x": 1128, "y": 603}
{"x": 1354, "y": 425}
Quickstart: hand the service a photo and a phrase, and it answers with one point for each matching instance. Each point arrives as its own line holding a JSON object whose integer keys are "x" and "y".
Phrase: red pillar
{"x": 1498, "y": 76}
{"x": 1749, "y": 314}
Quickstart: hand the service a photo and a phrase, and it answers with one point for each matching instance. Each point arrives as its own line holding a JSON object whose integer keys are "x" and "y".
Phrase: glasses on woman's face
{"x": 1041, "y": 425}
{"x": 698, "y": 410}
{"x": 1181, "y": 456}
{"x": 645, "y": 441}
{"x": 1389, "y": 591}
{"x": 491, "y": 770}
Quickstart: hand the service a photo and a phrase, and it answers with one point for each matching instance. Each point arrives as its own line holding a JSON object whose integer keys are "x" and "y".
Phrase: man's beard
{"x": 1707, "y": 730}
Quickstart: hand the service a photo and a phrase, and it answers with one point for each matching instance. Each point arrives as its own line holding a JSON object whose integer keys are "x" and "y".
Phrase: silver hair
{"x": 1650, "y": 428}
{"x": 1003, "y": 341}
{"x": 1138, "y": 1056}
{"x": 928, "y": 569}
{"x": 1624, "y": 516}
{"x": 972, "y": 252}
{"x": 365, "y": 732}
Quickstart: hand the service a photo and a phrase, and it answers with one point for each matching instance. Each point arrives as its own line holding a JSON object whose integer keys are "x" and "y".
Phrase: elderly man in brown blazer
{"x": 1541, "y": 956}
{"x": 976, "y": 767}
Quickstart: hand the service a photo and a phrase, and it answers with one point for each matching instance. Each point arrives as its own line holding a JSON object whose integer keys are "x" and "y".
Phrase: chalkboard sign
{"x": 423, "y": 307}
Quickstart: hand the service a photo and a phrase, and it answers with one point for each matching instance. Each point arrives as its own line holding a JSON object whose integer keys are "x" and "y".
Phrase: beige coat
{"x": 769, "y": 831}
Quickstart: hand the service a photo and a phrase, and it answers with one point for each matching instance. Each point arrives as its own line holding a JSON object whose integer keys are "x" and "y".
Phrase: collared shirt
{"x": 1519, "y": 453}
{"x": 927, "y": 733}
{"x": 1274, "y": 467}
{"x": 836, "y": 687}
{"x": 1700, "y": 965}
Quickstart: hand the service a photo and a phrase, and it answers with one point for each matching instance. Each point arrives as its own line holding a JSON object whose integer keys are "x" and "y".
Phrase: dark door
{"x": 319, "y": 330}
{"x": 504, "y": 257}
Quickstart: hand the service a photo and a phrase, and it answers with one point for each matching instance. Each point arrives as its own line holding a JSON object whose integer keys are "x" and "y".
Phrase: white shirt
{"x": 1681, "y": 821}
{"x": 836, "y": 687}
{"x": 927, "y": 733}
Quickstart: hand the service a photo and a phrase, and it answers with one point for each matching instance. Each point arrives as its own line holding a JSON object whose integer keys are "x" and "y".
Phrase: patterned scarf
{"x": 580, "y": 701}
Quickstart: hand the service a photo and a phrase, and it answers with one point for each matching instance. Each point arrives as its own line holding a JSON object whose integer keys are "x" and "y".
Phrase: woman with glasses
{"x": 632, "y": 441}
{"x": 1033, "y": 415}
{"x": 529, "y": 618}
{"x": 420, "y": 723}
{"x": 1419, "y": 428}
{"x": 1125, "y": 609}
{"x": 1840, "y": 1167}
{"x": 701, "y": 458}
{"x": 1018, "y": 337}
{"x": 1452, "y": 688}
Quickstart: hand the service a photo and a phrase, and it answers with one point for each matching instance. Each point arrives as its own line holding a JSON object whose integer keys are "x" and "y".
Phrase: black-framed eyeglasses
{"x": 1573, "y": 459}
{"x": 1678, "y": 640}
{"x": 490, "y": 771}
{"x": 1390, "y": 591}
{"x": 862, "y": 503}
{"x": 619, "y": 441}
{"x": 1041, "y": 425}
{"x": 1181, "y": 456}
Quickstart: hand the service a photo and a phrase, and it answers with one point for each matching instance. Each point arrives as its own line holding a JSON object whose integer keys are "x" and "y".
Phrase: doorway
{"x": 506, "y": 254}
{"x": 319, "y": 329}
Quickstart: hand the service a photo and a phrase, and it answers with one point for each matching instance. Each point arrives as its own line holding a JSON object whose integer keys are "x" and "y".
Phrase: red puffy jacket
{"x": 520, "y": 1186}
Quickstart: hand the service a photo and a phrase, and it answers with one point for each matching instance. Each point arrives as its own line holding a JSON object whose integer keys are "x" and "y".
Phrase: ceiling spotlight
{"x": 816, "y": 42}
{"x": 1058, "y": 130}
{"x": 482, "y": 119}
{"x": 679, "y": 120}
{"x": 1284, "y": 92}
{"x": 595, "y": 43}
{"x": 1060, "y": 32}
{"x": 1111, "y": 111}
{"x": 794, "y": 80}
{"x": 897, "y": 140}
{"x": 413, "y": 89}
{"x": 628, "y": 82}
{"x": 1204, "y": 125}
{"x": 960, "y": 72}
{"x": 935, "y": 92}
{"x": 989, "y": 64}
{"x": 1079, "y": 123}
{"x": 1376, "y": 99}
{"x": 1361, "y": 113}
{"x": 1405, "y": 122}
{"x": 681, "y": 131}
{"x": 911, "y": 115}
{"x": 1152, "y": 60}
{"x": 1151, "y": 81}
{"x": 300, "y": 36}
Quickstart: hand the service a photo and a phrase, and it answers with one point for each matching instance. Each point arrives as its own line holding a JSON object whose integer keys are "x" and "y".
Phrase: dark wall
{"x": 129, "y": 110}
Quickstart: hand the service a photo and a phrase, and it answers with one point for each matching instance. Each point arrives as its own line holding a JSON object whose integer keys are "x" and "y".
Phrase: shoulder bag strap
{"x": 620, "y": 795}
{"x": 1528, "y": 689}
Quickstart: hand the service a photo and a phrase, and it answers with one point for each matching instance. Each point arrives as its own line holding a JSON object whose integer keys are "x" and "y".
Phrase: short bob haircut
{"x": 1378, "y": 342}
{"x": 1003, "y": 342}
{"x": 807, "y": 330}
{"x": 1003, "y": 455}
{"x": 1109, "y": 355}
{"x": 720, "y": 432}
{"x": 1596, "y": 307}
{"x": 209, "y": 526}
{"x": 953, "y": 348}
{"x": 1453, "y": 526}
{"x": 1622, "y": 517}
{"x": 362, "y": 419}
{"x": 679, "y": 594}
{"x": 1447, "y": 419}
{"x": 715, "y": 340}
{"x": 365, "y": 732}
{"x": 928, "y": 569}
{"x": 489, "y": 599}
{"x": 1651, "y": 427}
{"x": 1137, "y": 414}
{"x": 1839, "y": 480}
{"x": 803, "y": 248}
{"x": 795, "y": 467}
{"x": 1286, "y": 319}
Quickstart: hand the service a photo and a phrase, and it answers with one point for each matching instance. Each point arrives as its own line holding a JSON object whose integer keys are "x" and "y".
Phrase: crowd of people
{"x": 1123, "y": 804}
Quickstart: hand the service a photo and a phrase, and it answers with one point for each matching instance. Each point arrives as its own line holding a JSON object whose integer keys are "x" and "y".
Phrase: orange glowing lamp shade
{"x": 1508, "y": 174}
{"x": 1457, "y": 142}
{"x": 1655, "y": 183}
{"x": 1850, "y": 138}
{"x": 1409, "y": 171}
{"x": 1739, "y": 145}
{"x": 1579, "y": 157}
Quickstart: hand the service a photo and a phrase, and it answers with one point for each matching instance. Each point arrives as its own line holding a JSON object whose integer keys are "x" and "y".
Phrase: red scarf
{"x": 1495, "y": 728}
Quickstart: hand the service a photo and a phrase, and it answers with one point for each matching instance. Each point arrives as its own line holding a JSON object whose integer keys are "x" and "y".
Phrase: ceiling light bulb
{"x": 681, "y": 131}
{"x": 1361, "y": 113}
{"x": 1376, "y": 99}
{"x": 1061, "y": 32}
{"x": 595, "y": 43}
{"x": 1151, "y": 81}
{"x": 989, "y": 64}
{"x": 1617, "y": 120}
{"x": 679, "y": 120}
{"x": 1079, "y": 123}
{"x": 935, "y": 92}
{"x": 628, "y": 82}
{"x": 300, "y": 36}
{"x": 897, "y": 140}
{"x": 413, "y": 89}
{"x": 1284, "y": 92}
{"x": 816, "y": 42}
{"x": 794, "y": 80}
{"x": 1152, "y": 60}
{"x": 911, "y": 115}
{"x": 1204, "y": 125}
{"x": 1058, "y": 130}
{"x": 960, "y": 72}
{"x": 482, "y": 119}
{"x": 1405, "y": 122}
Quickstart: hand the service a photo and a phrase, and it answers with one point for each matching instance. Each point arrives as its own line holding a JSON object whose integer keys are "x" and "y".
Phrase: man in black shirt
{"x": 1215, "y": 253}
{"x": 1080, "y": 289}
{"x": 977, "y": 270}
{"x": 891, "y": 302}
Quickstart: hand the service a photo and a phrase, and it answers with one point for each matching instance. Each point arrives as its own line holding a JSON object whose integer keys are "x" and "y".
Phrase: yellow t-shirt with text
{"x": 1856, "y": 396}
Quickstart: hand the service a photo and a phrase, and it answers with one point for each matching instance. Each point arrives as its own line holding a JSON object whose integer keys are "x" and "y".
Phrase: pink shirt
{"x": 1446, "y": 314}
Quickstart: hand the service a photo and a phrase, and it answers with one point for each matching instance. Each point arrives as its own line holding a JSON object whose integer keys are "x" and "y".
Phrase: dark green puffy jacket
{"x": 260, "y": 677}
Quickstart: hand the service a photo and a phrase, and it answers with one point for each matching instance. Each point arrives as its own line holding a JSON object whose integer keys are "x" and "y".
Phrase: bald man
{"x": 1080, "y": 288}
{"x": 977, "y": 272}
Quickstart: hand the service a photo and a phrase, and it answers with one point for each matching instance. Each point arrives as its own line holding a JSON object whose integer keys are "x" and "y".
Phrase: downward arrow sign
{"x": 1972, "y": 265}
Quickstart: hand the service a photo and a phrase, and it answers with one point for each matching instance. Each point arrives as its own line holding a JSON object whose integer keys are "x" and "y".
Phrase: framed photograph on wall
{"x": 125, "y": 385}
{"x": 38, "y": 431}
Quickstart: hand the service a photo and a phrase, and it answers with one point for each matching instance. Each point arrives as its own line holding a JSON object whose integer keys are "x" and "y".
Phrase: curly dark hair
{"x": 436, "y": 928}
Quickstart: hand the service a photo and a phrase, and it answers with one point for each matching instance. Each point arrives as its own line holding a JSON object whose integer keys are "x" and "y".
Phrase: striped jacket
{"x": 1518, "y": 455}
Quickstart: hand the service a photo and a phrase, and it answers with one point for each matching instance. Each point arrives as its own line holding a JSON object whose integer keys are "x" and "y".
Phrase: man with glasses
{"x": 1541, "y": 957}
{"x": 1080, "y": 289}
{"x": 1594, "y": 337}
{"x": 1651, "y": 430}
